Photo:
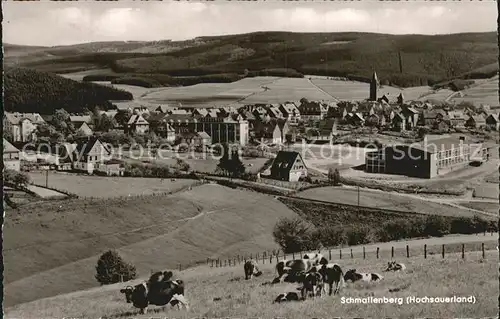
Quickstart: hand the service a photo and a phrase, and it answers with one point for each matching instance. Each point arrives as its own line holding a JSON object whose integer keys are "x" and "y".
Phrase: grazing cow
{"x": 293, "y": 266}
{"x": 138, "y": 296}
{"x": 394, "y": 266}
{"x": 312, "y": 285}
{"x": 333, "y": 273}
{"x": 162, "y": 290}
{"x": 287, "y": 296}
{"x": 251, "y": 269}
{"x": 353, "y": 275}
{"x": 316, "y": 258}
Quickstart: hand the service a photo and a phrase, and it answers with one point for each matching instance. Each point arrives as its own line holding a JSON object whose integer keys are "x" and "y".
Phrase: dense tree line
{"x": 426, "y": 60}
{"x": 33, "y": 91}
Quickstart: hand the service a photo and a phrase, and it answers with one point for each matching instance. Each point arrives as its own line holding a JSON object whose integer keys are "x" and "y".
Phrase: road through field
{"x": 45, "y": 192}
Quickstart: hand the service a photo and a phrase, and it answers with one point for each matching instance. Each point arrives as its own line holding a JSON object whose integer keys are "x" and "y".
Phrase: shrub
{"x": 17, "y": 179}
{"x": 293, "y": 235}
{"x": 111, "y": 268}
{"x": 331, "y": 237}
{"x": 358, "y": 235}
{"x": 437, "y": 226}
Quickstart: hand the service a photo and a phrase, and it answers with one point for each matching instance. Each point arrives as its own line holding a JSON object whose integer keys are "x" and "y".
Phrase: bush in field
{"x": 358, "y": 235}
{"x": 111, "y": 268}
{"x": 18, "y": 179}
{"x": 331, "y": 237}
{"x": 293, "y": 235}
{"x": 437, "y": 226}
{"x": 182, "y": 165}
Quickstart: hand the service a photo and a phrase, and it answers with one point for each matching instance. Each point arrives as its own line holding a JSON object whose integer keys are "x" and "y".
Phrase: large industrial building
{"x": 427, "y": 159}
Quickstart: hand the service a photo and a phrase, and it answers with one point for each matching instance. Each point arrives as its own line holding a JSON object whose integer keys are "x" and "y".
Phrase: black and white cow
{"x": 251, "y": 269}
{"x": 138, "y": 296}
{"x": 292, "y": 270}
{"x": 353, "y": 276}
{"x": 332, "y": 273}
{"x": 312, "y": 285}
{"x": 316, "y": 258}
{"x": 287, "y": 296}
{"x": 395, "y": 266}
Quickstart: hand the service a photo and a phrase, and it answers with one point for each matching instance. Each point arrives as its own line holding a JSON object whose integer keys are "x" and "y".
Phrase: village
{"x": 68, "y": 139}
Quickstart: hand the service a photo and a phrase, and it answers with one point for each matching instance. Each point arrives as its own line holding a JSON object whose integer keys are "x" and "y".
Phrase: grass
{"x": 381, "y": 200}
{"x": 484, "y": 93}
{"x": 486, "y": 207}
{"x": 240, "y": 298}
{"x": 60, "y": 241}
{"x": 108, "y": 187}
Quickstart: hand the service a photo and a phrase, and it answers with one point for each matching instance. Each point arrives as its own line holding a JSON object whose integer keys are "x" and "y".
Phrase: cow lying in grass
{"x": 353, "y": 276}
{"x": 159, "y": 290}
{"x": 287, "y": 296}
{"x": 395, "y": 266}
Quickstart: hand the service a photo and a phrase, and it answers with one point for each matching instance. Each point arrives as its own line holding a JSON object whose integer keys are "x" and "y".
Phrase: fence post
{"x": 378, "y": 249}
{"x": 212, "y": 263}
{"x": 225, "y": 262}
{"x": 270, "y": 258}
{"x": 329, "y": 254}
{"x": 208, "y": 260}
{"x": 392, "y": 252}
{"x": 234, "y": 261}
{"x": 351, "y": 254}
{"x": 277, "y": 257}
{"x": 443, "y": 251}
{"x": 263, "y": 259}
{"x": 251, "y": 257}
{"x": 425, "y": 251}
{"x": 407, "y": 251}
{"x": 482, "y": 249}
{"x": 463, "y": 251}
{"x": 293, "y": 256}
{"x": 364, "y": 253}
{"x": 340, "y": 253}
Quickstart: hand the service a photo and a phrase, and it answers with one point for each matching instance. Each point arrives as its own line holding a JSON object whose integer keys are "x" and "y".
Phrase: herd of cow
{"x": 313, "y": 272}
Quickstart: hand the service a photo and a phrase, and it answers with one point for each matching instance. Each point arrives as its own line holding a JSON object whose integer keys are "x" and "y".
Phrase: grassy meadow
{"x": 381, "y": 200}
{"x": 223, "y": 292}
{"x": 59, "y": 242}
{"x": 107, "y": 187}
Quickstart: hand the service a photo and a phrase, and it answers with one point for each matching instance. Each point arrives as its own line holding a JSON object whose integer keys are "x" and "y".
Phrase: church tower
{"x": 374, "y": 84}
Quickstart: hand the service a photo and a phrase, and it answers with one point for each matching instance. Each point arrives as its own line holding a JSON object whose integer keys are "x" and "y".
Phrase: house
{"x": 137, "y": 124}
{"x": 140, "y": 110}
{"x": 200, "y": 111}
{"x": 411, "y": 116}
{"x": 432, "y": 117}
{"x": 355, "y": 119}
{"x": 11, "y": 156}
{"x": 270, "y": 132}
{"x": 492, "y": 121}
{"x": 291, "y": 112}
{"x": 275, "y": 112}
{"x": 78, "y": 120}
{"x": 89, "y": 153}
{"x": 197, "y": 139}
{"x": 373, "y": 120}
{"x": 22, "y": 126}
{"x": 84, "y": 129}
{"x": 457, "y": 118}
{"x": 162, "y": 109}
{"x": 398, "y": 123}
{"x": 288, "y": 166}
{"x": 475, "y": 121}
{"x": 312, "y": 110}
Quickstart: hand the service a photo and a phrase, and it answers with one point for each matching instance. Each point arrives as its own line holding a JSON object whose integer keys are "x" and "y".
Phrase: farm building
{"x": 493, "y": 122}
{"x": 22, "y": 126}
{"x": 137, "y": 124}
{"x": 288, "y": 166}
{"x": 10, "y": 156}
{"x": 427, "y": 159}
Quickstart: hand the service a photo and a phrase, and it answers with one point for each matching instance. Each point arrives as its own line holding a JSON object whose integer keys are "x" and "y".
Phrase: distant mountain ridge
{"x": 426, "y": 59}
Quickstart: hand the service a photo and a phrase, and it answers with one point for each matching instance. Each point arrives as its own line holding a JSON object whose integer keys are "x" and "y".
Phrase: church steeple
{"x": 374, "y": 84}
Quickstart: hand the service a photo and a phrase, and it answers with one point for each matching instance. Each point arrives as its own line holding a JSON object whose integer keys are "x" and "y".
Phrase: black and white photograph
{"x": 250, "y": 159}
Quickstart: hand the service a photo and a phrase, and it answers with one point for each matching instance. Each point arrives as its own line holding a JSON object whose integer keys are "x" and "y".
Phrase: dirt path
{"x": 317, "y": 87}
{"x": 45, "y": 192}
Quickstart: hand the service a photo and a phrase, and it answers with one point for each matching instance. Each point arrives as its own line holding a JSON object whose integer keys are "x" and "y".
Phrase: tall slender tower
{"x": 374, "y": 84}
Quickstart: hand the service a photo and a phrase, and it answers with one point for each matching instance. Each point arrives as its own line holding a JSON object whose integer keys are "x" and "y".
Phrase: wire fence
{"x": 358, "y": 253}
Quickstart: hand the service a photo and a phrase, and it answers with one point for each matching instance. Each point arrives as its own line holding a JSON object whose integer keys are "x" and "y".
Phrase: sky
{"x": 63, "y": 23}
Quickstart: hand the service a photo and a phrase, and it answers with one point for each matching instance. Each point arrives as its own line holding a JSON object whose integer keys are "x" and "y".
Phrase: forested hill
{"x": 424, "y": 59}
{"x": 33, "y": 91}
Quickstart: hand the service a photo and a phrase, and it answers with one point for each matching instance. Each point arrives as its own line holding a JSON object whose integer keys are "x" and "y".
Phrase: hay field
{"x": 486, "y": 92}
{"x": 59, "y": 242}
{"x": 357, "y": 91}
{"x": 381, "y": 200}
{"x": 108, "y": 187}
{"x": 239, "y": 298}
{"x": 484, "y": 206}
{"x": 209, "y": 93}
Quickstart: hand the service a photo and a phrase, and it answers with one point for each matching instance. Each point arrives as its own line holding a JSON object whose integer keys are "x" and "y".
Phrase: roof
{"x": 84, "y": 146}
{"x": 439, "y": 144}
{"x": 478, "y": 118}
{"x": 179, "y": 117}
{"x": 285, "y": 160}
{"x": 204, "y": 135}
{"x": 15, "y": 118}
{"x": 80, "y": 118}
{"x": 9, "y": 148}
